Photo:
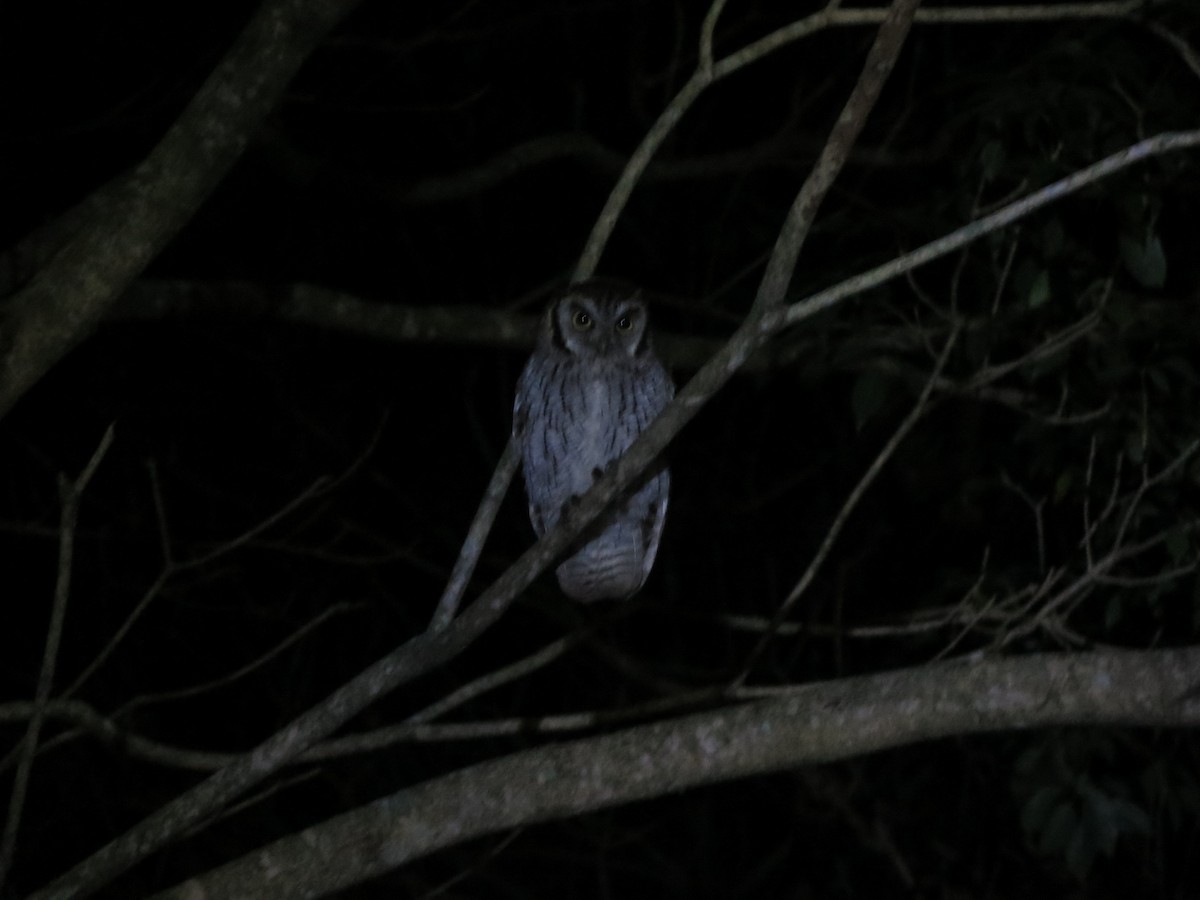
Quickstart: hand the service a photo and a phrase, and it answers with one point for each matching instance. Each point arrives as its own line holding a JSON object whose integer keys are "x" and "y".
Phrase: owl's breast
{"x": 598, "y": 418}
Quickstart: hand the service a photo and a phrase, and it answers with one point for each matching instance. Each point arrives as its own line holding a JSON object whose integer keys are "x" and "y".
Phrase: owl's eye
{"x": 581, "y": 320}
{"x": 624, "y": 323}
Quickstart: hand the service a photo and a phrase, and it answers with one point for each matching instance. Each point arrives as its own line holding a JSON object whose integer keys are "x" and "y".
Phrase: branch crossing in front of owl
{"x": 592, "y": 385}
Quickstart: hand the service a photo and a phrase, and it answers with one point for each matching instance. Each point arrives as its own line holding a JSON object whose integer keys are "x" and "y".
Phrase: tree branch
{"x": 881, "y": 59}
{"x": 808, "y": 724}
{"x": 709, "y": 71}
{"x": 66, "y": 299}
{"x": 1150, "y": 147}
{"x": 71, "y": 494}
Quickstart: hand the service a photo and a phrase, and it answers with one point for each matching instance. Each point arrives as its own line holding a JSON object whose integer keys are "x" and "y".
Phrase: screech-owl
{"x": 591, "y": 386}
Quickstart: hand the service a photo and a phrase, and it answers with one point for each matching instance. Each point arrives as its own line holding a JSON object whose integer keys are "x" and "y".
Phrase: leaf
{"x": 868, "y": 396}
{"x": 1039, "y": 291}
{"x": 1144, "y": 260}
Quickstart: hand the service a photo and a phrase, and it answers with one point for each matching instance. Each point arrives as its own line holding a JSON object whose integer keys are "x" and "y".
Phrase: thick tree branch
{"x": 880, "y": 61}
{"x": 808, "y": 724}
{"x": 329, "y": 310}
{"x": 67, "y": 298}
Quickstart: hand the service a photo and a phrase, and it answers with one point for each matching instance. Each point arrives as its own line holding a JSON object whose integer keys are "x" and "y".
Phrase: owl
{"x": 591, "y": 386}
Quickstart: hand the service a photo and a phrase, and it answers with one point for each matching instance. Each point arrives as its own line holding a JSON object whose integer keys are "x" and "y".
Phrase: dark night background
{"x": 384, "y": 174}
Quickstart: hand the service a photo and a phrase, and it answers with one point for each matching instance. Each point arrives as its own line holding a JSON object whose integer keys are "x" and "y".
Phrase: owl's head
{"x": 598, "y": 319}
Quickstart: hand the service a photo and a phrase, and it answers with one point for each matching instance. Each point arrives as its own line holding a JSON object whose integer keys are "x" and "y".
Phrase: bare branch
{"x": 66, "y": 300}
{"x": 86, "y": 720}
{"x": 71, "y": 493}
{"x": 1190, "y": 57}
{"x": 709, "y": 71}
{"x": 653, "y": 139}
{"x": 860, "y": 489}
{"x": 1122, "y": 159}
{"x": 312, "y": 305}
{"x": 472, "y": 546}
{"x": 807, "y": 724}
{"x": 881, "y": 59}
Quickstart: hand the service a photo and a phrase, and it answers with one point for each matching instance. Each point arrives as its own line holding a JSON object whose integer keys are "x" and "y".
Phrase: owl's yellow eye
{"x": 581, "y": 320}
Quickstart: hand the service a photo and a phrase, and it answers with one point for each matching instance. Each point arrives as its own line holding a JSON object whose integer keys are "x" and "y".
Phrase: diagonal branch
{"x": 481, "y": 527}
{"x": 1167, "y": 142}
{"x": 66, "y": 300}
{"x": 881, "y": 59}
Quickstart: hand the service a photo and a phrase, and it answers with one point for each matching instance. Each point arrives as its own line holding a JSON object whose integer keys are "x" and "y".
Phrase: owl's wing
{"x": 655, "y": 390}
{"x": 652, "y": 525}
{"x": 520, "y": 431}
{"x": 536, "y": 519}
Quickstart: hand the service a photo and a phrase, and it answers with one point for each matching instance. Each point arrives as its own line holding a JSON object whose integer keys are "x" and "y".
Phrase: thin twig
{"x": 472, "y": 546}
{"x": 70, "y": 493}
{"x": 640, "y": 159}
{"x": 170, "y": 570}
{"x": 246, "y": 668}
{"x": 709, "y": 71}
{"x": 848, "y": 507}
{"x": 1122, "y": 159}
{"x": 491, "y": 681}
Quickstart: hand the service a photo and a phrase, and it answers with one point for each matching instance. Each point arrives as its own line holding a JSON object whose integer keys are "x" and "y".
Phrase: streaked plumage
{"x": 591, "y": 386}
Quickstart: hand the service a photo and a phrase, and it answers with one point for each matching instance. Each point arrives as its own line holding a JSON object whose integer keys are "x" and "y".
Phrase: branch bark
{"x": 145, "y": 209}
{"x": 808, "y": 724}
